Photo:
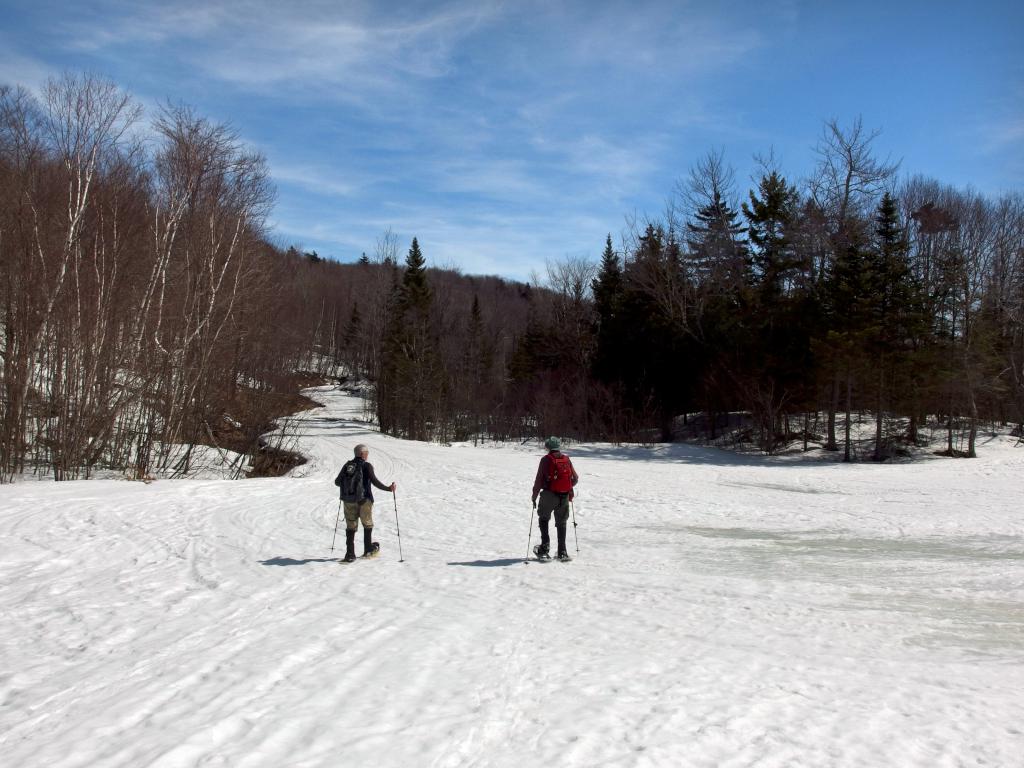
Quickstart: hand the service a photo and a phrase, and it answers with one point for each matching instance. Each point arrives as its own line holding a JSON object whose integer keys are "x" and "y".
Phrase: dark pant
{"x": 557, "y": 504}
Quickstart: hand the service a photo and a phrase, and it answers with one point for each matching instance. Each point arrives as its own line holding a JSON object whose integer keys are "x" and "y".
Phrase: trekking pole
{"x": 394, "y": 498}
{"x": 335, "y": 536}
{"x": 574, "y": 534}
{"x": 529, "y": 537}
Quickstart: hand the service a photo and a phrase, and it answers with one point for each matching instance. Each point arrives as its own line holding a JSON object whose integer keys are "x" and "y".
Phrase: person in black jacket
{"x": 362, "y": 509}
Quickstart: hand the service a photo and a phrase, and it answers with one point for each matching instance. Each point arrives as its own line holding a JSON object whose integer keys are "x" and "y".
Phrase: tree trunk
{"x": 849, "y": 400}
{"x": 830, "y": 443}
{"x": 879, "y": 451}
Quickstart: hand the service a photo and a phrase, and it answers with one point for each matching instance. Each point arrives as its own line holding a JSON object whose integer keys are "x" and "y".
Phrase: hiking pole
{"x": 529, "y": 537}
{"x": 574, "y": 534}
{"x": 394, "y": 498}
{"x": 335, "y": 536}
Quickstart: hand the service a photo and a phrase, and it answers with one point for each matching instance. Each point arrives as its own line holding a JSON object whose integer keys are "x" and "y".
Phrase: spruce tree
{"x": 655, "y": 368}
{"x": 717, "y": 252}
{"x": 607, "y": 289}
{"x": 776, "y": 344}
{"x": 416, "y": 294}
{"x": 850, "y": 314}
{"x": 890, "y": 311}
{"x": 769, "y": 218}
{"x": 411, "y": 384}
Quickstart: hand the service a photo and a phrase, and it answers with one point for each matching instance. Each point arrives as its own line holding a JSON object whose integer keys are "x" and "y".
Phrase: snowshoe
{"x": 541, "y": 553}
{"x": 374, "y": 550}
{"x": 350, "y": 557}
{"x": 564, "y": 557}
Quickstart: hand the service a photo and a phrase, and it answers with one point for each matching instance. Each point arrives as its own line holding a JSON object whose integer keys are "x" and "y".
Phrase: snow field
{"x": 722, "y": 611}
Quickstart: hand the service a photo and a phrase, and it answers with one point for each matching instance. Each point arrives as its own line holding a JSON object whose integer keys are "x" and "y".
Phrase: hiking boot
{"x": 350, "y": 557}
{"x": 563, "y": 555}
{"x": 542, "y": 552}
{"x": 369, "y": 546}
{"x": 350, "y": 546}
{"x": 561, "y": 539}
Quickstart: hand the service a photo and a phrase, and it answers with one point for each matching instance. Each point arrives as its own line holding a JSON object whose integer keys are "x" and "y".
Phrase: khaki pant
{"x": 356, "y": 511}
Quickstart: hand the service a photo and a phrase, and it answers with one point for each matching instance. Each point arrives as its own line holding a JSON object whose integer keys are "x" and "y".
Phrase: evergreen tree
{"x": 849, "y": 313}
{"x": 892, "y": 315}
{"x": 412, "y": 386}
{"x": 656, "y": 371}
{"x": 775, "y": 341}
{"x": 416, "y": 294}
{"x": 607, "y": 289}
{"x": 719, "y": 257}
{"x": 770, "y": 218}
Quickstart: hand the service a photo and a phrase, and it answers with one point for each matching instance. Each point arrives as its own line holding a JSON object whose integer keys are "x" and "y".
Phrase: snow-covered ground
{"x": 722, "y": 611}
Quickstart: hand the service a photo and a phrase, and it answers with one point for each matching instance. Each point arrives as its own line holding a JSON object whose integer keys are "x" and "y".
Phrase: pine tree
{"x": 655, "y": 370}
{"x": 770, "y": 217}
{"x": 719, "y": 258}
{"x": 891, "y": 307}
{"x": 607, "y": 289}
{"x": 776, "y": 340}
{"x": 416, "y": 294}
{"x": 412, "y": 386}
{"x": 848, "y": 296}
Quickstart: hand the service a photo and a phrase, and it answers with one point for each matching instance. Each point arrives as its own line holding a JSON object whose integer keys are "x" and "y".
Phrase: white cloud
{"x": 16, "y": 69}
{"x": 145, "y": 23}
{"x": 313, "y": 180}
{"x": 308, "y": 46}
{"x": 1002, "y": 134}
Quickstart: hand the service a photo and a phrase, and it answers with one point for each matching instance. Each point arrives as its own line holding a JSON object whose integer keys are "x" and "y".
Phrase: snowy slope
{"x": 722, "y": 611}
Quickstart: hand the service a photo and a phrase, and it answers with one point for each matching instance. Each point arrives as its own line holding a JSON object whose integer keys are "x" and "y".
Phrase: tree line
{"x": 145, "y": 309}
{"x": 794, "y": 310}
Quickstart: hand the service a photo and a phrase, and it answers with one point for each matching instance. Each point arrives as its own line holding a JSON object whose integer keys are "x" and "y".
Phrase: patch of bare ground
{"x": 254, "y": 413}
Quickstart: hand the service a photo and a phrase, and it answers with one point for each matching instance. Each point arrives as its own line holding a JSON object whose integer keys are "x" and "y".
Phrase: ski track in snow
{"x": 722, "y": 611}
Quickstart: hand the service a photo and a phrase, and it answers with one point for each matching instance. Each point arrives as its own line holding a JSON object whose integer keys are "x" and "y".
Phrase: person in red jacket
{"x": 554, "y": 484}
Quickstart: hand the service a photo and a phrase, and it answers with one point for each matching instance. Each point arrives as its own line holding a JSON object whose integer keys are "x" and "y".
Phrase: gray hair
{"x": 361, "y": 449}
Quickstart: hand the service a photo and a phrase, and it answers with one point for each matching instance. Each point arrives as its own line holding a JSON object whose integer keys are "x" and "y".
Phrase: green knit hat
{"x": 552, "y": 443}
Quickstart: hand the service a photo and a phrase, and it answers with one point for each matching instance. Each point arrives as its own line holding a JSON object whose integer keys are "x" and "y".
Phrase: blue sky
{"x": 505, "y": 134}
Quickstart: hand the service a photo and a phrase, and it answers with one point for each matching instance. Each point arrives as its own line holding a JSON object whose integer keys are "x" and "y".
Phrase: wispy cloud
{"x": 1003, "y": 133}
{"x": 18, "y": 69}
{"x": 310, "y": 46}
{"x": 144, "y": 22}
{"x": 313, "y": 180}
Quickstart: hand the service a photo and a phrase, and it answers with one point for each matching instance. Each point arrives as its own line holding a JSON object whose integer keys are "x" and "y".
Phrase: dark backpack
{"x": 559, "y": 474}
{"x": 350, "y": 480}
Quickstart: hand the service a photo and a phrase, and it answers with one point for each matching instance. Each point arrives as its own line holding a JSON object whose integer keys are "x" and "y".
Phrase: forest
{"x": 147, "y": 308}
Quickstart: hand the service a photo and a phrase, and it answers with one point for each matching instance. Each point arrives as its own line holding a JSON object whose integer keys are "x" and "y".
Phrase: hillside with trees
{"x": 144, "y": 305}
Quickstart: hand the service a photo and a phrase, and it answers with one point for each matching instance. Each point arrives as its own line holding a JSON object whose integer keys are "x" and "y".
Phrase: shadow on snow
{"x": 491, "y": 563}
